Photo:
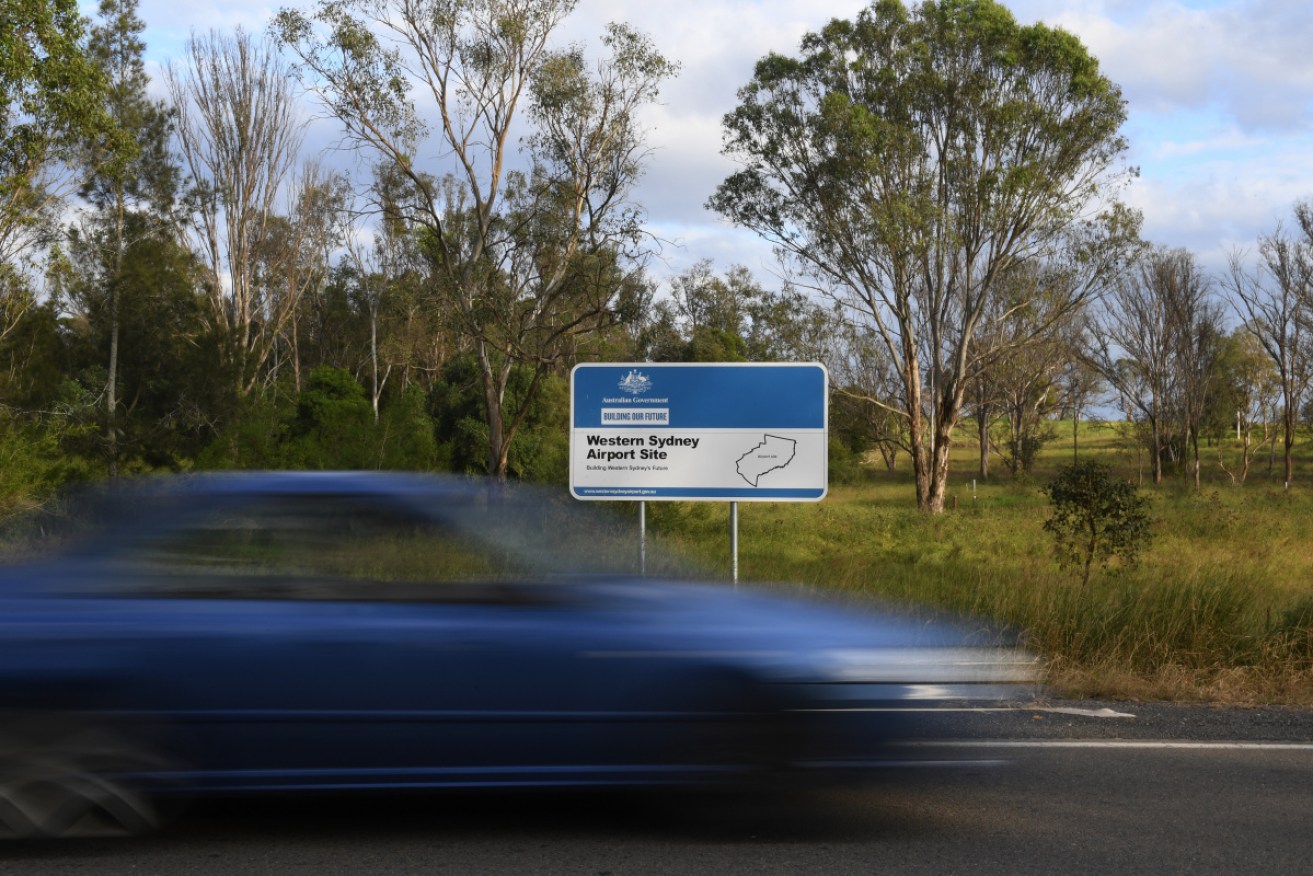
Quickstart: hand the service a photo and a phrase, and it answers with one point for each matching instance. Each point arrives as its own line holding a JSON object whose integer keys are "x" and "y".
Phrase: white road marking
{"x": 1086, "y": 713}
{"x": 1120, "y": 743}
{"x": 1105, "y": 712}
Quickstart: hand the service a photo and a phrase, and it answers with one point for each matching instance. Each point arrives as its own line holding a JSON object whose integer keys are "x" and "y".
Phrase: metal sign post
{"x": 734, "y": 542}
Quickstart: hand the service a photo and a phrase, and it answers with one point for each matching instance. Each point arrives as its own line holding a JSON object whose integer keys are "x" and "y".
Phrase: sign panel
{"x": 715, "y": 432}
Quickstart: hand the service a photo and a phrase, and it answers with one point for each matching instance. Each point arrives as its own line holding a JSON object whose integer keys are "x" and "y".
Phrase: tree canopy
{"x": 51, "y": 103}
{"x": 529, "y": 249}
{"x": 906, "y": 161}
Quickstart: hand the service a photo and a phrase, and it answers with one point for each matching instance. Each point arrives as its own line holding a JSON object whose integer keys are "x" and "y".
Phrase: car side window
{"x": 319, "y": 547}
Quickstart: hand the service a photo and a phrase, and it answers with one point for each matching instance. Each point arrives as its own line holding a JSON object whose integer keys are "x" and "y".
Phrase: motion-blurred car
{"x": 330, "y": 632}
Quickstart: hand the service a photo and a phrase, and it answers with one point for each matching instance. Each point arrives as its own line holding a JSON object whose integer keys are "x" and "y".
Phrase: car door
{"x": 332, "y": 642}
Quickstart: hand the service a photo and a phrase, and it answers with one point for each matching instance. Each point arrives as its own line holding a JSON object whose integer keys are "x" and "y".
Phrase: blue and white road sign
{"x": 715, "y": 432}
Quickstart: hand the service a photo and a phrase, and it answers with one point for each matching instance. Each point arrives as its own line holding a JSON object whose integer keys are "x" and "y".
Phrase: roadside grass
{"x": 1218, "y": 608}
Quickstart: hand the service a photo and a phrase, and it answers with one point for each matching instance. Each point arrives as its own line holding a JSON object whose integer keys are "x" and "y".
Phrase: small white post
{"x": 734, "y": 542}
{"x": 642, "y": 539}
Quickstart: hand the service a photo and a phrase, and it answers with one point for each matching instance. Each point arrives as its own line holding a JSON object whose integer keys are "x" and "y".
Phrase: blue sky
{"x": 1220, "y": 94}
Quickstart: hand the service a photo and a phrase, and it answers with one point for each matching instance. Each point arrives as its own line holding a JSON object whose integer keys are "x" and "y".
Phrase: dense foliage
{"x": 181, "y": 287}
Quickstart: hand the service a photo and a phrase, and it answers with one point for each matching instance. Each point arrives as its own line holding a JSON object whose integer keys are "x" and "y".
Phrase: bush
{"x": 334, "y": 425}
{"x": 1095, "y": 518}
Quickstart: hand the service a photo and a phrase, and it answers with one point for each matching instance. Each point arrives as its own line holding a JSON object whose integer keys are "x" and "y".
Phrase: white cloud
{"x": 1220, "y": 94}
{"x": 1248, "y": 58}
{"x": 1222, "y": 204}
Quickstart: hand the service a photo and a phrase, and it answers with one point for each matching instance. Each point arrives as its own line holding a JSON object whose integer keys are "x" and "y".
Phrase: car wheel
{"x": 66, "y": 783}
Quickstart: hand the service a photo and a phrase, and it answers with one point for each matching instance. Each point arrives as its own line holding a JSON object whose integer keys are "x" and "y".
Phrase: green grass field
{"x": 1219, "y": 607}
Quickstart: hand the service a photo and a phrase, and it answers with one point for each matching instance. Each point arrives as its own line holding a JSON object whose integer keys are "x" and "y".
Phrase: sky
{"x": 1219, "y": 94}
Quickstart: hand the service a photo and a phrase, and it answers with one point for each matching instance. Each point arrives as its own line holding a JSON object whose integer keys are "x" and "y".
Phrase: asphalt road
{"x": 1063, "y": 788}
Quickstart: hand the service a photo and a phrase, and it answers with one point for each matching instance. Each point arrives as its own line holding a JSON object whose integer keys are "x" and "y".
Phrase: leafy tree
{"x": 706, "y": 301}
{"x": 855, "y": 429}
{"x": 709, "y": 317}
{"x": 1155, "y": 342}
{"x": 1276, "y": 303}
{"x": 330, "y": 425}
{"x": 1079, "y": 382}
{"x": 861, "y": 372}
{"x": 143, "y": 175}
{"x": 460, "y": 423}
{"x": 240, "y": 137}
{"x": 528, "y": 259}
{"x": 33, "y": 360}
{"x": 167, "y": 389}
{"x": 788, "y": 326}
{"x": 252, "y": 437}
{"x": 1020, "y": 360}
{"x": 142, "y": 179}
{"x": 907, "y": 159}
{"x": 1246, "y": 388}
{"x": 405, "y": 435}
{"x": 52, "y": 111}
{"x": 53, "y": 100}
{"x": 34, "y": 464}
{"x": 706, "y": 317}
{"x": 292, "y": 259}
{"x": 334, "y": 424}
{"x": 1095, "y": 518}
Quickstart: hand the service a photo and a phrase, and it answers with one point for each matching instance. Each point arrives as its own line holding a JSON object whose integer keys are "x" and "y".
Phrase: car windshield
{"x": 319, "y": 536}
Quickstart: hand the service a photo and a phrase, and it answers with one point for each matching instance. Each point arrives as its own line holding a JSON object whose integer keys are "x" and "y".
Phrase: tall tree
{"x": 140, "y": 179}
{"x": 293, "y": 255}
{"x": 907, "y": 159}
{"x": 421, "y": 334}
{"x": 240, "y": 137}
{"x": 527, "y": 258}
{"x": 165, "y": 371}
{"x": 1247, "y": 384}
{"x": 1276, "y": 303}
{"x": 861, "y": 371}
{"x": 1154, "y": 341}
{"x": 1197, "y": 330}
{"x": 1019, "y": 360}
{"x": 1080, "y": 383}
{"x": 51, "y": 104}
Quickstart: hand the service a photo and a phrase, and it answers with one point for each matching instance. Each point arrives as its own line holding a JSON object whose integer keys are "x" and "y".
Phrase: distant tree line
{"x": 182, "y": 287}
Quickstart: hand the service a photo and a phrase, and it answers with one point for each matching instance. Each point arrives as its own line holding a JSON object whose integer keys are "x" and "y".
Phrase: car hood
{"x": 797, "y": 635}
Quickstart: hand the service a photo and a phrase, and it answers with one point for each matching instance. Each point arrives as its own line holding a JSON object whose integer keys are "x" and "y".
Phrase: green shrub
{"x": 1095, "y": 518}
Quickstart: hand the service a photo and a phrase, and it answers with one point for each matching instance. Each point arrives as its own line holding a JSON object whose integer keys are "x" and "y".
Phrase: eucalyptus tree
{"x": 907, "y": 159}
{"x": 294, "y": 255}
{"x": 1154, "y": 341}
{"x": 1019, "y": 360}
{"x": 1080, "y": 383}
{"x": 52, "y": 103}
{"x": 418, "y": 333}
{"x": 240, "y": 137}
{"x": 165, "y": 399}
{"x": 1276, "y": 303}
{"x": 1198, "y": 333}
{"x": 1247, "y": 386}
{"x": 527, "y": 247}
{"x": 707, "y": 303}
{"x": 135, "y": 187}
{"x": 863, "y": 374}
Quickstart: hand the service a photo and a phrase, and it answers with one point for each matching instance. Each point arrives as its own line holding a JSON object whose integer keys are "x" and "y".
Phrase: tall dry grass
{"x": 1220, "y": 606}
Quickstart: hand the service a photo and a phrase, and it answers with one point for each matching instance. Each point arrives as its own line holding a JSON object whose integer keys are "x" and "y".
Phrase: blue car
{"x": 301, "y": 632}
